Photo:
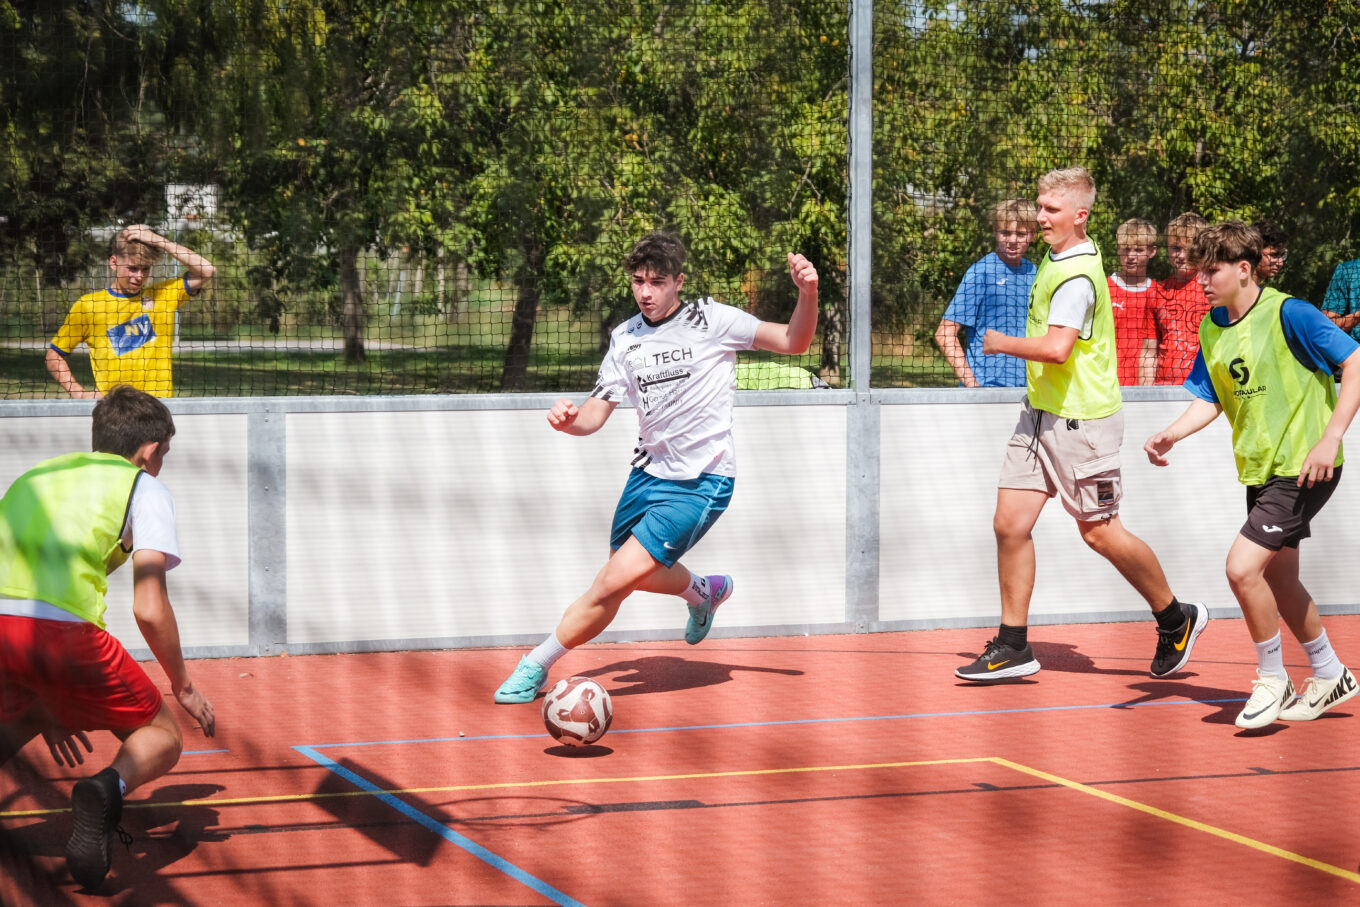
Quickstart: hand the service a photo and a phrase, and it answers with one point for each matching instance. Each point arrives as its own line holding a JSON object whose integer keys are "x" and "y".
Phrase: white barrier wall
{"x": 417, "y": 523}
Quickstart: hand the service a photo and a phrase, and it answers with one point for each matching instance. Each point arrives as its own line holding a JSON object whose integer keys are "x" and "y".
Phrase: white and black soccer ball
{"x": 577, "y": 711}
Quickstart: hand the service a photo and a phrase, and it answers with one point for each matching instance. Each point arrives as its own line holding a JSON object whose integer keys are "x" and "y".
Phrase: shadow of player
{"x": 669, "y": 673}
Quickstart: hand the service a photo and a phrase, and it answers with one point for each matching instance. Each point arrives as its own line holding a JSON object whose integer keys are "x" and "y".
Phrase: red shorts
{"x": 82, "y": 674}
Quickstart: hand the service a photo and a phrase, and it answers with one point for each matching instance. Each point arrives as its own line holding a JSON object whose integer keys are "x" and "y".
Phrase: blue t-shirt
{"x": 1316, "y": 342}
{"x": 1343, "y": 293}
{"x": 993, "y": 296}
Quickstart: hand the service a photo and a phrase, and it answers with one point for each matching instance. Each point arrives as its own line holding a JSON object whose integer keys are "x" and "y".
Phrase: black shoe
{"x": 999, "y": 661}
{"x": 1174, "y": 646}
{"x": 97, "y": 805}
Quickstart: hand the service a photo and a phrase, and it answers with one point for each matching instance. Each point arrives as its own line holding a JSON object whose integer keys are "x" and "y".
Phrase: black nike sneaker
{"x": 998, "y": 662}
{"x": 1173, "y": 646}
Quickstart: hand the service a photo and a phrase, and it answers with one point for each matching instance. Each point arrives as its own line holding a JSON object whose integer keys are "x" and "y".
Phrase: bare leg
{"x": 1295, "y": 605}
{"x": 631, "y": 567}
{"x": 1131, "y": 556}
{"x": 1247, "y": 567}
{"x": 149, "y": 751}
{"x": 1017, "y": 510}
{"x": 15, "y": 735}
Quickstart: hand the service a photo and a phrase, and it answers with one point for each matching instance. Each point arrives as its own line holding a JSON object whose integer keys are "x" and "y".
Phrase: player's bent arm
{"x": 795, "y": 337}
{"x": 61, "y": 371}
{"x": 1319, "y": 461}
{"x": 947, "y": 339}
{"x": 1197, "y": 415}
{"x": 1055, "y": 346}
{"x": 1345, "y": 322}
{"x": 156, "y": 620}
{"x": 200, "y": 269}
{"x": 1147, "y": 362}
{"x": 582, "y": 420}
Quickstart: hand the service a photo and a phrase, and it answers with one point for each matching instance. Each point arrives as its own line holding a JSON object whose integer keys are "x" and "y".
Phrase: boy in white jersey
{"x": 675, "y": 361}
{"x": 1267, "y": 360}
{"x": 1066, "y": 442}
{"x": 64, "y": 525}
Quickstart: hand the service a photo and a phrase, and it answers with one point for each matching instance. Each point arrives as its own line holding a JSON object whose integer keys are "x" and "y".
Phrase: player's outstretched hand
{"x": 198, "y": 707}
{"x": 803, "y": 273}
{"x": 562, "y": 414}
{"x": 61, "y": 743}
{"x": 1157, "y": 447}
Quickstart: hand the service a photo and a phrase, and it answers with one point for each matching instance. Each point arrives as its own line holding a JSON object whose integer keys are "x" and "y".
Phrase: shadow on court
{"x": 670, "y": 673}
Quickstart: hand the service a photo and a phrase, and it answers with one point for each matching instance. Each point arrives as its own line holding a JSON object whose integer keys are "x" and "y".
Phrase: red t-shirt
{"x": 1133, "y": 323}
{"x": 1180, "y": 308}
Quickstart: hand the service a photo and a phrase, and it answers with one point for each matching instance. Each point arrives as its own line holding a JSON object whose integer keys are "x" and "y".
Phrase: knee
{"x": 1241, "y": 575}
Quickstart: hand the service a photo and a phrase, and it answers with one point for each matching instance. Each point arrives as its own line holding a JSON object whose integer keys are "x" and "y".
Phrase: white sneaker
{"x": 1269, "y": 694}
{"x": 1320, "y": 695}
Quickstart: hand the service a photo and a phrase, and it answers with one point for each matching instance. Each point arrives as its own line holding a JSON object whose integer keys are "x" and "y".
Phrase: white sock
{"x": 1270, "y": 657}
{"x": 1326, "y": 666}
{"x": 697, "y": 590}
{"x": 122, "y": 786}
{"x": 548, "y": 651}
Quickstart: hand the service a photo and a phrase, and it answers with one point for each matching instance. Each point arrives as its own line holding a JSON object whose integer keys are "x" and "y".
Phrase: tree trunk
{"x": 351, "y": 305}
{"x": 515, "y": 373}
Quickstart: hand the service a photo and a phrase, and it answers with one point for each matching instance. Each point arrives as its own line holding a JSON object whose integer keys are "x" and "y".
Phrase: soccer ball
{"x": 577, "y": 711}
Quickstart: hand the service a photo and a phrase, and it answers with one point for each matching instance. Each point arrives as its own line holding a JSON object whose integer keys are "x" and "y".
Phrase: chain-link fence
{"x": 436, "y": 197}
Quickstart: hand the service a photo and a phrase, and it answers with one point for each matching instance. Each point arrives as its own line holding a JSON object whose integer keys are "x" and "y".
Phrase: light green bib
{"x": 1277, "y": 406}
{"x": 1086, "y": 386}
{"x": 60, "y": 527}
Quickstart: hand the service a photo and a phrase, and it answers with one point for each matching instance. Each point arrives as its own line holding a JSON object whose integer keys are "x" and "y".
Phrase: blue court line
{"x": 796, "y": 721}
{"x": 202, "y": 752}
{"x": 439, "y": 828}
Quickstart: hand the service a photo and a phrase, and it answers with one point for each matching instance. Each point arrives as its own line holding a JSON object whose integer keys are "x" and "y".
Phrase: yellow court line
{"x": 1181, "y": 820}
{"x": 995, "y": 760}
{"x": 500, "y": 785}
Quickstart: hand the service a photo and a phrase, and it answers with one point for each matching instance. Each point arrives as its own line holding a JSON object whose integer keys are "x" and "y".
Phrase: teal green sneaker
{"x": 701, "y": 615}
{"x": 524, "y": 684}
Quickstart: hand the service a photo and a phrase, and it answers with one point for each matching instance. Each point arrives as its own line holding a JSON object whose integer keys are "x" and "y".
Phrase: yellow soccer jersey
{"x": 129, "y": 336}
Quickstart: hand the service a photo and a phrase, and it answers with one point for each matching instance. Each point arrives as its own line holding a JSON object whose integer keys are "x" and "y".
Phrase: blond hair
{"x": 1185, "y": 226}
{"x": 1020, "y": 211}
{"x": 1075, "y": 182}
{"x": 1135, "y": 232}
{"x": 134, "y": 251}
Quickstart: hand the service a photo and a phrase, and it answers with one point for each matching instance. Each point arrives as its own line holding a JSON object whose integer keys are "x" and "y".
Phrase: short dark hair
{"x": 660, "y": 253}
{"x": 1231, "y": 240}
{"x": 126, "y": 418}
{"x": 1272, "y": 237}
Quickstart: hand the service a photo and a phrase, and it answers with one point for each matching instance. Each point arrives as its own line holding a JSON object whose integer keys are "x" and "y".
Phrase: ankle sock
{"x": 1015, "y": 637}
{"x": 697, "y": 590}
{"x": 548, "y": 651}
{"x": 1270, "y": 656}
{"x": 1173, "y": 616}
{"x": 1326, "y": 666}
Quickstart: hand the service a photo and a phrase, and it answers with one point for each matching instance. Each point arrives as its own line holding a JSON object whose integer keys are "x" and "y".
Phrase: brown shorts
{"x": 1077, "y": 460}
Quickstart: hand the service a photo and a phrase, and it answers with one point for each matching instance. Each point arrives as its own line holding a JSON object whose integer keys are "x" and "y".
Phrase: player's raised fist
{"x": 562, "y": 414}
{"x": 803, "y": 273}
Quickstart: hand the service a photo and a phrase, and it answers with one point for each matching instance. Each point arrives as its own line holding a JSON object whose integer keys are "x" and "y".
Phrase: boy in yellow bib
{"x": 1066, "y": 442}
{"x": 128, "y": 326}
{"x": 1267, "y": 360}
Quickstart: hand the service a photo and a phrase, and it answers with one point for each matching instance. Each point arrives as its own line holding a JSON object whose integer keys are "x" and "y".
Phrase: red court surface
{"x": 784, "y": 771}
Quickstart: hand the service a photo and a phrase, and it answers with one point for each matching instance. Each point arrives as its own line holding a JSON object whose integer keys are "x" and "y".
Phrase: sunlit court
{"x": 757, "y": 770}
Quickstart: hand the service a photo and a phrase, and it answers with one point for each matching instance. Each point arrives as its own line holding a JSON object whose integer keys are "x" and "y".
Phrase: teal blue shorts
{"x": 668, "y": 516}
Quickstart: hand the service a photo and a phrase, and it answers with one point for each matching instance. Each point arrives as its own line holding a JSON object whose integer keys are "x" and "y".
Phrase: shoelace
{"x": 124, "y": 837}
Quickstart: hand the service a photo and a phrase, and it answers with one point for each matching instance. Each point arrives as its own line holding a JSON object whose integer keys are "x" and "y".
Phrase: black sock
{"x": 1172, "y": 617}
{"x": 1015, "y": 637}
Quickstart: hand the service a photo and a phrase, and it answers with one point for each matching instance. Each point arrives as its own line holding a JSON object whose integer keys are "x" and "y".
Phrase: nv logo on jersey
{"x": 1238, "y": 369}
{"x": 132, "y": 334}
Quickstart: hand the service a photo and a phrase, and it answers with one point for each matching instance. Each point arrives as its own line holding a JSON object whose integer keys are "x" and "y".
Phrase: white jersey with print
{"x": 680, "y": 374}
